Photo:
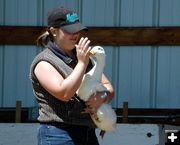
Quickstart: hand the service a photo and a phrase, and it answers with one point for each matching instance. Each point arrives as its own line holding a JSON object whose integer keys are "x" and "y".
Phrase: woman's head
{"x": 62, "y": 23}
{"x": 63, "y": 39}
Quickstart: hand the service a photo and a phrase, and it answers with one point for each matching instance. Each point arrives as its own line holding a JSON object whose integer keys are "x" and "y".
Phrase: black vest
{"x": 50, "y": 108}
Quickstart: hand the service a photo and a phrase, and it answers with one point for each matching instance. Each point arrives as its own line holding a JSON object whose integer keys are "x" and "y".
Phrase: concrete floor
{"x": 18, "y": 133}
{"x": 126, "y": 134}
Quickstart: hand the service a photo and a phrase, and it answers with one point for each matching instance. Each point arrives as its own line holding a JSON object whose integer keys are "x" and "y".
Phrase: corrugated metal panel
{"x": 169, "y": 12}
{"x": 1, "y": 74}
{"x": 135, "y": 61}
{"x": 136, "y": 13}
{"x": 168, "y": 79}
{"x": 134, "y": 76}
{"x": 168, "y": 58}
{"x": 144, "y": 76}
{"x": 98, "y": 13}
{"x": 16, "y": 85}
{"x": 20, "y": 12}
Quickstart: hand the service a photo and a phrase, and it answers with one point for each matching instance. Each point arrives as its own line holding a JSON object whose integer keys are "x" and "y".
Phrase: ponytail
{"x": 43, "y": 39}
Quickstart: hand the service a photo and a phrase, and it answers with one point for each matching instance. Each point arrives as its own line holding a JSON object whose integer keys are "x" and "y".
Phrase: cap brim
{"x": 74, "y": 28}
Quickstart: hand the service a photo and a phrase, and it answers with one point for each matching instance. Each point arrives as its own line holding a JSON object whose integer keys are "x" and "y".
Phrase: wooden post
{"x": 18, "y": 112}
{"x": 125, "y": 112}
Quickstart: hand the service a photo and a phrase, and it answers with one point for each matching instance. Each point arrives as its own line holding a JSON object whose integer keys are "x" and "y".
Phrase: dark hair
{"x": 43, "y": 39}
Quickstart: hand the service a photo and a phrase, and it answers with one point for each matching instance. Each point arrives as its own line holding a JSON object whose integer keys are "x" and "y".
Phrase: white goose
{"x": 91, "y": 84}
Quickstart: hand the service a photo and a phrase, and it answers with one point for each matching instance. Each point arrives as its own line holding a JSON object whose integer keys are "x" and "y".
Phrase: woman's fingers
{"x": 84, "y": 41}
{"x": 82, "y": 49}
{"x": 95, "y": 101}
{"x": 83, "y": 44}
{"x": 80, "y": 41}
{"x": 86, "y": 45}
{"x": 90, "y": 110}
{"x": 88, "y": 51}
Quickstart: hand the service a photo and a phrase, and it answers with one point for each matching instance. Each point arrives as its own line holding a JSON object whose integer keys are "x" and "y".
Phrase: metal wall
{"x": 145, "y": 76}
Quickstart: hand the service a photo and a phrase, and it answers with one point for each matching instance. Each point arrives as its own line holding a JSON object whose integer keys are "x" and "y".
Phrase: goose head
{"x": 97, "y": 52}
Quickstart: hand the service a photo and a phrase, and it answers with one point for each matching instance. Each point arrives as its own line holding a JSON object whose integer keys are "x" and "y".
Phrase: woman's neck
{"x": 66, "y": 49}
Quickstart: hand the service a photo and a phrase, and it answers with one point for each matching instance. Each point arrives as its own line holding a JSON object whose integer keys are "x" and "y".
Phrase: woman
{"x": 56, "y": 74}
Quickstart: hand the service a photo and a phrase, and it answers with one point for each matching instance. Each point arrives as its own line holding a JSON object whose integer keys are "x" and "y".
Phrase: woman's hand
{"x": 95, "y": 102}
{"x": 83, "y": 49}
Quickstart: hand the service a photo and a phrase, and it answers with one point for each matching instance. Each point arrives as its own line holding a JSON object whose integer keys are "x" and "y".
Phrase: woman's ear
{"x": 53, "y": 31}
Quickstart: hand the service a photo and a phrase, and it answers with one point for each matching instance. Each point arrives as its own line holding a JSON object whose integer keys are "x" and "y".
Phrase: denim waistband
{"x": 64, "y": 125}
{"x": 56, "y": 124}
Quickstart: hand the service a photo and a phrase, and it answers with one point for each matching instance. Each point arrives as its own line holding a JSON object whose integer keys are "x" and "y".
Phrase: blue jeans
{"x": 69, "y": 135}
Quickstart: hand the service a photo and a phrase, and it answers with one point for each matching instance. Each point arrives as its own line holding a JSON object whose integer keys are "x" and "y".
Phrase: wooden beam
{"x": 149, "y": 115}
{"x": 18, "y": 111}
{"x": 109, "y": 36}
{"x": 125, "y": 112}
{"x": 149, "y": 111}
{"x": 135, "y": 115}
{"x": 8, "y": 114}
{"x": 135, "y": 36}
{"x": 19, "y": 35}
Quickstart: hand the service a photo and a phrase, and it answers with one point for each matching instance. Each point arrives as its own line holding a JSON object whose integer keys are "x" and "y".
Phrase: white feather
{"x": 106, "y": 117}
{"x": 91, "y": 84}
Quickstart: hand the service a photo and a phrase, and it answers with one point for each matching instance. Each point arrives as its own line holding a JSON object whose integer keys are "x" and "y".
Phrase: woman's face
{"x": 66, "y": 41}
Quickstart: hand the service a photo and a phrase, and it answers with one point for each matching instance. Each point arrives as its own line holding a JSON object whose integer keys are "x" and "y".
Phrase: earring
{"x": 54, "y": 35}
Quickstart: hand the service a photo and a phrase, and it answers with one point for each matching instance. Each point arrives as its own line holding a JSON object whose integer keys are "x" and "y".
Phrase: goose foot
{"x": 102, "y": 133}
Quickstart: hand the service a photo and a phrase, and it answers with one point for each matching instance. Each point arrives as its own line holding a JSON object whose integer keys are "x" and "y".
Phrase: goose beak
{"x": 92, "y": 53}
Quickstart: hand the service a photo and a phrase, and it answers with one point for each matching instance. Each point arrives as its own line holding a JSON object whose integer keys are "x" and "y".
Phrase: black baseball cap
{"x": 65, "y": 19}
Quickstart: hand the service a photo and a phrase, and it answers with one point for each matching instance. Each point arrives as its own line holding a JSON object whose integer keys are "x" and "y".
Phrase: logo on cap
{"x": 72, "y": 17}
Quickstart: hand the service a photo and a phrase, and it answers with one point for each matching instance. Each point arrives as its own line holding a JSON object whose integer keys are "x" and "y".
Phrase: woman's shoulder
{"x": 45, "y": 54}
